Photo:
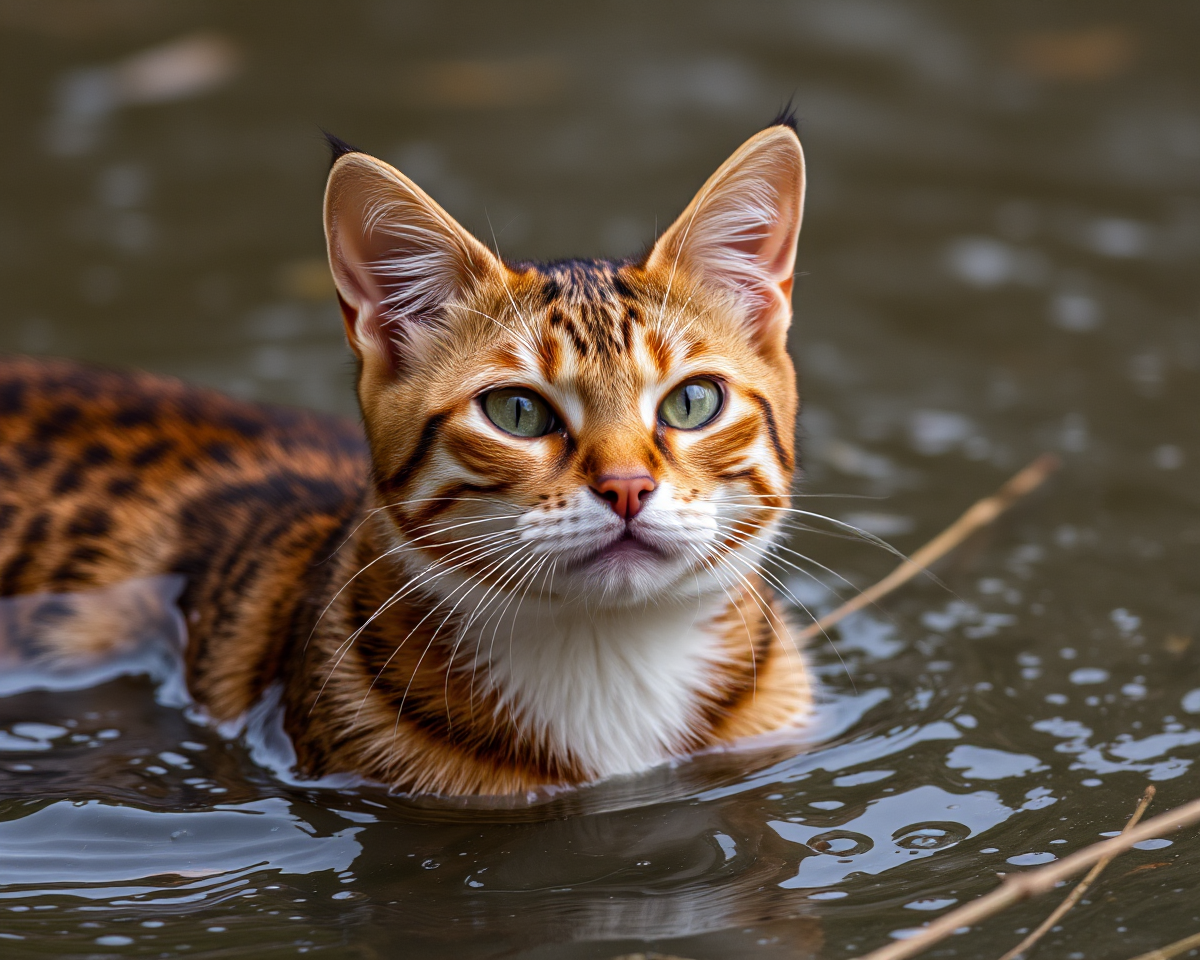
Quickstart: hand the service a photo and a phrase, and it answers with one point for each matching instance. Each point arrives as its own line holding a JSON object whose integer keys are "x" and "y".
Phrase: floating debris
{"x": 1083, "y": 56}
{"x": 86, "y": 98}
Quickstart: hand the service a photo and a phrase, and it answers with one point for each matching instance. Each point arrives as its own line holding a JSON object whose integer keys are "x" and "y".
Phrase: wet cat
{"x": 539, "y": 566}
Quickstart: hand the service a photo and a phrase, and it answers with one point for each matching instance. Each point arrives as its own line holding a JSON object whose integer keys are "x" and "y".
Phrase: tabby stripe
{"x": 660, "y": 442}
{"x": 419, "y": 452}
{"x": 443, "y": 499}
{"x": 772, "y": 429}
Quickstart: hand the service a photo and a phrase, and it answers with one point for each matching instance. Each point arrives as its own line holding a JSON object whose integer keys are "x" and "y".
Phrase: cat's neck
{"x": 617, "y": 689}
{"x": 484, "y": 695}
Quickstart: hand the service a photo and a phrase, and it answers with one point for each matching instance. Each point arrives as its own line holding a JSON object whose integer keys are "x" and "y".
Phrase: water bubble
{"x": 841, "y": 843}
{"x": 930, "y": 836}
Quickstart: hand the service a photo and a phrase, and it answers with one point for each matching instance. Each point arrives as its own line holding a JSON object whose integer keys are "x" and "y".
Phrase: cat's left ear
{"x": 739, "y": 232}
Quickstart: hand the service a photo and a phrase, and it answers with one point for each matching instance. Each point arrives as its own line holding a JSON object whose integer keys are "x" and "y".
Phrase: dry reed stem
{"x": 979, "y": 515}
{"x": 1171, "y": 949}
{"x": 1022, "y": 886}
{"x": 1081, "y": 888}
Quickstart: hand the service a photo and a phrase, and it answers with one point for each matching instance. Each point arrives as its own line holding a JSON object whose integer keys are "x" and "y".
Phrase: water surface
{"x": 998, "y": 259}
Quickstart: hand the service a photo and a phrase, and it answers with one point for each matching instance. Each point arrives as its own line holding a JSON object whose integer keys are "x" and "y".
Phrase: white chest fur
{"x": 615, "y": 690}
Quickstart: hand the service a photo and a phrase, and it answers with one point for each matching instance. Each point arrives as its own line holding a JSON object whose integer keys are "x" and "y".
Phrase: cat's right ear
{"x": 398, "y": 259}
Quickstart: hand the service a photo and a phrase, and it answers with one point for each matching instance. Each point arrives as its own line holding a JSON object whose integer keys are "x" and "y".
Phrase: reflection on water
{"x": 998, "y": 259}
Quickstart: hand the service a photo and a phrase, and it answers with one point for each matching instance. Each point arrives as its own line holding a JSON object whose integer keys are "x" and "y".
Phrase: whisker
{"x": 808, "y": 613}
{"x": 774, "y": 545}
{"x": 426, "y": 576}
{"x": 493, "y": 591}
{"x": 733, "y": 603}
{"x": 393, "y": 551}
{"x": 465, "y": 587}
{"x": 857, "y": 531}
{"x": 413, "y": 676}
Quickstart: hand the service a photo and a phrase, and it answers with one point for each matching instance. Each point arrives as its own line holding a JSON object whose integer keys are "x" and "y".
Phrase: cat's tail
{"x": 74, "y": 640}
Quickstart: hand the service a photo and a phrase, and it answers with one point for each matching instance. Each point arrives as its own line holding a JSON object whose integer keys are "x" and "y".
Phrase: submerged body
{"x": 539, "y": 562}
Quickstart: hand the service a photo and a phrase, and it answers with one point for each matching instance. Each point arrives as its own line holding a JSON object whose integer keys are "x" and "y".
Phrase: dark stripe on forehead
{"x": 622, "y": 287}
{"x": 580, "y": 281}
{"x": 420, "y": 451}
{"x": 772, "y": 429}
{"x": 561, "y": 321}
{"x": 591, "y": 302}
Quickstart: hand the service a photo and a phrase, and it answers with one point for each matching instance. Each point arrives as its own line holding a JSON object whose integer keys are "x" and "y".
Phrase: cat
{"x": 538, "y": 562}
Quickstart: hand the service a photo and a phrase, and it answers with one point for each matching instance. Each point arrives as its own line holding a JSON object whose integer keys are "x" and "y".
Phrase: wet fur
{"x": 334, "y": 560}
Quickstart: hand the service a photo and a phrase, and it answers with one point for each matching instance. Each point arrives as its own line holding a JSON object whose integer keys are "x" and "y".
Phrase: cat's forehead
{"x": 600, "y": 326}
{"x": 611, "y": 313}
{"x": 576, "y": 282}
{"x": 602, "y": 336}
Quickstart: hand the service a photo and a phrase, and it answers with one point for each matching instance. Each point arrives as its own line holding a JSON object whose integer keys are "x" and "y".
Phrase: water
{"x": 997, "y": 259}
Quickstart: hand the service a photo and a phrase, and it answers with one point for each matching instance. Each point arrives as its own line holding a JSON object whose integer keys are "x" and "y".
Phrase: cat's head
{"x": 601, "y": 431}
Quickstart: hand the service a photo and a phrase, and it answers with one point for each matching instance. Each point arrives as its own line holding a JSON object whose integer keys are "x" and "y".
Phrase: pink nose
{"x": 625, "y": 494}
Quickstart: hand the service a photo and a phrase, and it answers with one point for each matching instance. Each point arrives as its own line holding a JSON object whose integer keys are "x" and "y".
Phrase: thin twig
{"x": 979, "y": 515}
{"x": 1171, "y": 949}
{"x": 1077, "y": 894}
{"x": 1022, "y": 886}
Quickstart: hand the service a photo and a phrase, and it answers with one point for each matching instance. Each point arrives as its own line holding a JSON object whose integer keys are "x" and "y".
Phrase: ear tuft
{"x": 338, "y": 148}
{"x": 786, "y": 117}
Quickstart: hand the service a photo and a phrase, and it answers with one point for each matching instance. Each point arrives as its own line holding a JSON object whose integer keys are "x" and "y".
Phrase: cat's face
{"x": 603, "y": 433}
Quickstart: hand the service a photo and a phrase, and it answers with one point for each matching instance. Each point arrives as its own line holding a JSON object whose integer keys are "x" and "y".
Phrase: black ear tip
{"x": 786, "y": 117}
{"x": 338, "y": 147}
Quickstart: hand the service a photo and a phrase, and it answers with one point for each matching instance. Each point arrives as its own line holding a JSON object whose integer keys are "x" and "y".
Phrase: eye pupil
{"x": 691, "y": 404}
{"x": 519, "y": 412}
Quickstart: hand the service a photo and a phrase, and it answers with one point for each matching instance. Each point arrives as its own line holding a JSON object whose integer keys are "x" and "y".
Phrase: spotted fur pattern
{"x": 448, "y": 607}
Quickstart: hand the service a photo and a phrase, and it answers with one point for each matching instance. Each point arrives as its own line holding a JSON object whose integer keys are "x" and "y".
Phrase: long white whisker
{"x": 495, "y": 590}
{"x": 807, "y": 612}
{"x": 394, "y": 551}
{"x": 416, "y": 582}
{"x": 465, "y": 588}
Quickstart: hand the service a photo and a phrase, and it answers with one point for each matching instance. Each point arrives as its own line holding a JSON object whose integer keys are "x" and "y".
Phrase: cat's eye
{"x": 519, "y": 412}
{"x": 691, "y": 404}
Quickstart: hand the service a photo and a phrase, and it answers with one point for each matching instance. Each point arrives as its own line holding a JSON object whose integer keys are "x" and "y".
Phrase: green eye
{"x": 519, "y": 412}
{"x": 691, "y": 404}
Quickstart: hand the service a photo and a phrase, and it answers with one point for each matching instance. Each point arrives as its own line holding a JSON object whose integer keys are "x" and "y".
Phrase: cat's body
{"x": 540, "y": 564}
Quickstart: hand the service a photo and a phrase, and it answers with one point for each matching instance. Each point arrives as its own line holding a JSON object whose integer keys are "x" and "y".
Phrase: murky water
{"x": 998, "y": 259}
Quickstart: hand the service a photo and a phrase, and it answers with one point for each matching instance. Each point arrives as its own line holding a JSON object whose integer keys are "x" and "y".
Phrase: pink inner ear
{"x": 398, "y": 258}
{"x": 740, "y": 230}
{"x": 759, "y": 257}
{"x": 779, "y": 249}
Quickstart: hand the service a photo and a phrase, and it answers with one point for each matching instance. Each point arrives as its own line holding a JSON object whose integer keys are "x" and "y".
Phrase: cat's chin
{"x": 627, "y": 572}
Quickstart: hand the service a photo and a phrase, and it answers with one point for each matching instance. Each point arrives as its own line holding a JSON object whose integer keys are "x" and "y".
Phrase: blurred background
{"x": 999, "y": 257}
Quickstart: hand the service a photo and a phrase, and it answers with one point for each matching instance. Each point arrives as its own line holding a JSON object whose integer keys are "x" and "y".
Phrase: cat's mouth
{"x": 626, "y": 547}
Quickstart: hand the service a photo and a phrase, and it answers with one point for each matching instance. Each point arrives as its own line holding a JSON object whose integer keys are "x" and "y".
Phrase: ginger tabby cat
{"x": 540, "y": 566}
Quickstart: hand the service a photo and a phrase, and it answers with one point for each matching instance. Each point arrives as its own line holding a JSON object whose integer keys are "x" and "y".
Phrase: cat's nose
{"x": 625, "y": 494}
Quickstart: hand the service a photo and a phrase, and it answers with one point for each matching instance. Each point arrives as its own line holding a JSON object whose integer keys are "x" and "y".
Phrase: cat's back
{"x": 107, "y": 474}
